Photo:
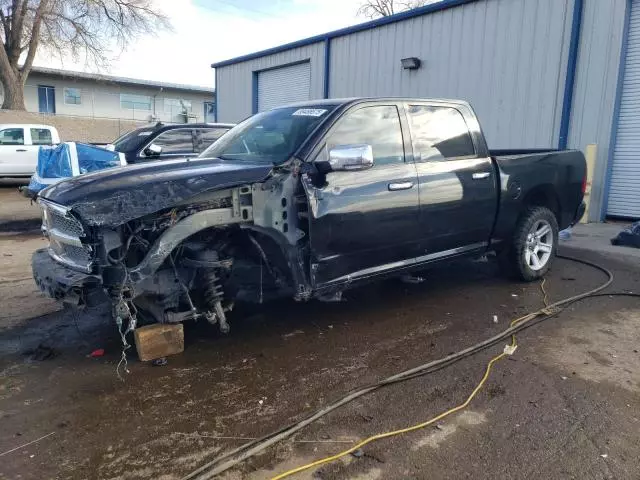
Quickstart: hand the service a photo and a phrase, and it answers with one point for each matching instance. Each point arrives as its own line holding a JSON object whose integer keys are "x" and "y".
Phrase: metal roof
{"x": 415, "y": 12}
{"x": 123, "y": 80}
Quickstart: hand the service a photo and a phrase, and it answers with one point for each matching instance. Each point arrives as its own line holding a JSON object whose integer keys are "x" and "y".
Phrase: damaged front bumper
{"x": 63, "y": 283}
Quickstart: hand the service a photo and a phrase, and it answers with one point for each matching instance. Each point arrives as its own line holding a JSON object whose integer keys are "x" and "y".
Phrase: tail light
{"x": 584, "y": 184}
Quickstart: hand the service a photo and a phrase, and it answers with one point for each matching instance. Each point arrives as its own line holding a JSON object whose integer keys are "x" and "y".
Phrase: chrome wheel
{"x": 539, "y": 245}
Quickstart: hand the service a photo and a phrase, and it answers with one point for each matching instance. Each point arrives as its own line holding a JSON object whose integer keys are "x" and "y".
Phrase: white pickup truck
{"x": 19, "y": 145}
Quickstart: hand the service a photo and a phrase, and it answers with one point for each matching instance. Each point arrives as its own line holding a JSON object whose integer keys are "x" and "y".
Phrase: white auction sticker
{"x": 309, "y": 112}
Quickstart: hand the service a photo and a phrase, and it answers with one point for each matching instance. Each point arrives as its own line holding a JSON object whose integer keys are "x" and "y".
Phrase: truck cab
{"x": 19, "y": 145}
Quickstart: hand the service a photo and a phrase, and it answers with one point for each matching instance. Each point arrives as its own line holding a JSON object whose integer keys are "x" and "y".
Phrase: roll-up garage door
{"x": 283, "y": 85}
{"x": 624, "y": 192}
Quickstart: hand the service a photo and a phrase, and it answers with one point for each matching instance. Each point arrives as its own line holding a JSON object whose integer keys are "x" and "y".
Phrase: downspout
{"x": 254, "y": 92}
{"x": 215, "y": 96}
{"x": 327, "y": 65}
{"x": 569, "y": 84}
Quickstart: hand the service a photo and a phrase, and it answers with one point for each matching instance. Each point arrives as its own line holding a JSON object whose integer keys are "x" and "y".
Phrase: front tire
{"x": 533, "y": 245}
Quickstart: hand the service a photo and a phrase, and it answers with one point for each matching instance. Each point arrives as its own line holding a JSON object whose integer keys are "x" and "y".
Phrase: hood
{"x": 118, "y": 195}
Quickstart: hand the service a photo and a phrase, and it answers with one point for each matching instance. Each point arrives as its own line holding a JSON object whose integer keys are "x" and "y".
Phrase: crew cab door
{"x": 365, "y": 222}
{"x": 457, "y": 180}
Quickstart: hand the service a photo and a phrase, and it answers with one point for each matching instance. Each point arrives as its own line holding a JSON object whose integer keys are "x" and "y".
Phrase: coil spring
{"x": 212, "y": 289}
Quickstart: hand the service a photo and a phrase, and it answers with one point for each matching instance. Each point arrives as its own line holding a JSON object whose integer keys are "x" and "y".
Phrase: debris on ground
{"x": 565, "y": 234}
{"x": 495, "y": 319}
{"x": 629, "y": 237}
{"x": 357, "y": 453}
{"x": 159, "y": 362}
{"x": 98, "y": 352}
{"x": 159, "y": 340}
{"x": 41, "y": 352}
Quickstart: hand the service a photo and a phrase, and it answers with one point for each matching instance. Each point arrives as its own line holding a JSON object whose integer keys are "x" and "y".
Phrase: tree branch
{"x": 34, "y": 40}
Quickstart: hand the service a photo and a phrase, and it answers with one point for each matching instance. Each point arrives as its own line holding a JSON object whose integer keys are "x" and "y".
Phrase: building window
{"x": 46, "y": 99}
{"x": 72, "y": 96}
{"x": 177, "y": 106}
{"x": 135, "y": 102}
{"x": 209, "y": 112}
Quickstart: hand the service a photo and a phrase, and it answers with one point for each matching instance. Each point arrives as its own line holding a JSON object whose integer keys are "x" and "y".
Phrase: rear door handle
{"x": 400, "y": 186}
{"x": 479, "y": 176}
{"x": 21, "y": 149}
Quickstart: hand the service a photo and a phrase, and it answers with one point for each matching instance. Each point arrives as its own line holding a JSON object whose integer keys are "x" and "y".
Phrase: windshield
{"x": 270, "y": 137}
{"x": 132, "y": 140}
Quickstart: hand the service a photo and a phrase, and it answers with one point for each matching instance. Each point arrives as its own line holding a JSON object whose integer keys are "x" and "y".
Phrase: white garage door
{"x": 283, "y": 85}
{"x": 624, "y": 193}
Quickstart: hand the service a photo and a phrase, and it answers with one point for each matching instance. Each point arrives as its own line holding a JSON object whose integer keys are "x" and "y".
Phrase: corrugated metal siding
{"x": 507, "y": 57}
{"x": 596, "y": 85}
{"x": 283, "y": 85}
{"x": 624, "y": 192}
{"x": 235, "y": 82}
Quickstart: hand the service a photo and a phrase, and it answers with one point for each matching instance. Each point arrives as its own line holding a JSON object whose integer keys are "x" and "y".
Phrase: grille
{"x": 65, "y": 233}
{"x": 64, "y": 224}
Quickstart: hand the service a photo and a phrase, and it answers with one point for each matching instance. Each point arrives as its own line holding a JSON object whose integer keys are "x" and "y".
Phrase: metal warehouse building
{"x": 539, "y": 73}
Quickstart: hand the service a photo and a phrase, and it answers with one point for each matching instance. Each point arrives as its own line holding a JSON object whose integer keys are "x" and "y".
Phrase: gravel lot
{"x": 566, "y": 405}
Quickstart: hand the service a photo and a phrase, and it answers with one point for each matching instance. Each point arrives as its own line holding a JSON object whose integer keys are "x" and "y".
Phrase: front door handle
{"x": 479, "y": 176}
{"x": 21, "y": 149}
{"x": 400, "y": 186}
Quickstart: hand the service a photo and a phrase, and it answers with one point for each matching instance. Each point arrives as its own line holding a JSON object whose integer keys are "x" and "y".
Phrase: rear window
{"x": 206, "y": 136}
{"x": 439, "y": 133}
{"x": 41, "y": 136}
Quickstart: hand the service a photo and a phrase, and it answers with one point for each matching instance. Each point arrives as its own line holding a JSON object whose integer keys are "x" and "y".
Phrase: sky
{"x": 207, "y": 31}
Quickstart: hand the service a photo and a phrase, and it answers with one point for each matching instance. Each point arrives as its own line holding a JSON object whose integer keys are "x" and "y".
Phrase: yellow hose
{"x": 412, "y": 428}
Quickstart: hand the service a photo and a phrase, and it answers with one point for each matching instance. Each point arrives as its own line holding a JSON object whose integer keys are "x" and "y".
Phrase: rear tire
{"x": 533, "y": 245}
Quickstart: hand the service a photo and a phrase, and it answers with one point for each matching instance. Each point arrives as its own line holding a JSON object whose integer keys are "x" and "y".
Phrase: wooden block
{"x": 159, "y": 340}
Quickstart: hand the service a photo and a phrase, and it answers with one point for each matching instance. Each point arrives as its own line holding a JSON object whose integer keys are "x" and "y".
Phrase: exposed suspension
{"x": 213, "y": 297}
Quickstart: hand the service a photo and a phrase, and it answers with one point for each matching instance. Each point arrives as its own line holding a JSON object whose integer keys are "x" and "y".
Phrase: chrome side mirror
{"x": 350, "y": 157}
{"x": 153, "y": 150}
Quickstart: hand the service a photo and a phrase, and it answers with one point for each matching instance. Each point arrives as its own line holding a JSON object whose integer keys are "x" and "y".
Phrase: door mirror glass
{"x": 350, "y": 157}
{"x": 153, "y": 150}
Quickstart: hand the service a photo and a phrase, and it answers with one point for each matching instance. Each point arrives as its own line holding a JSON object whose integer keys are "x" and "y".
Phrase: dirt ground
{"x": 565, "y": 405}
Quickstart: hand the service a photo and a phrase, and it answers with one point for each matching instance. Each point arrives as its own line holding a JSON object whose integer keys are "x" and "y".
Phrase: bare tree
{"x": 92, "y": 28}
{"x": 384, "y": 8}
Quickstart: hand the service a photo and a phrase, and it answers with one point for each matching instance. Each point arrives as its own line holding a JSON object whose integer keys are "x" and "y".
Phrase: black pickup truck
{"x": 305, "y": 201}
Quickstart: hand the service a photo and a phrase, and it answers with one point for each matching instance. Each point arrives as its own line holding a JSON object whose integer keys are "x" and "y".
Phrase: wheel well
{"x": 543, "y": 196}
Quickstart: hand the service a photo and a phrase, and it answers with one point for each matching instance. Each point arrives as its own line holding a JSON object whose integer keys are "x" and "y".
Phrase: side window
{"x": 206, "y": 136}
{"x": 41, "y": 136}
{"x": 12, "y": 136}
{"x": 439, "y": 133}
{"x": 378, "y": 126}
{"x": 175, "y": 142}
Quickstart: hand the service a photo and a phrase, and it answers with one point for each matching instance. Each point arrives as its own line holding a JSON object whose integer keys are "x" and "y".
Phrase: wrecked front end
{"x": 193, "y": 260}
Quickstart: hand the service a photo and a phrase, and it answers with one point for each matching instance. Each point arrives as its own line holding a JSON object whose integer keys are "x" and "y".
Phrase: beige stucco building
{"x": 78, "y": 94}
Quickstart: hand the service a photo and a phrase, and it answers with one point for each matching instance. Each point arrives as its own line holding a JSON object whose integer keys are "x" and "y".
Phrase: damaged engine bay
{"x": 194, "y": 260}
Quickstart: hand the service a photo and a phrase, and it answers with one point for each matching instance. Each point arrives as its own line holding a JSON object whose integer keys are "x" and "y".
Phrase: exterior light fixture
{"x": 411, "y": 63}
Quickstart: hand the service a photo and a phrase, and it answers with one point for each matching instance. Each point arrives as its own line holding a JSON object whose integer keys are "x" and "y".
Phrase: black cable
{"x": 221, "y": 463}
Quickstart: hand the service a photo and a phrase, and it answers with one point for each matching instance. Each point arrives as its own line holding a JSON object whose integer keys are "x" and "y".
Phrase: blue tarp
{"x": 69, "y": 160}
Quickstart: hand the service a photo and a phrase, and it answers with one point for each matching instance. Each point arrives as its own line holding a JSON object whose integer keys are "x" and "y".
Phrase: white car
{"x": 19, "y": 146}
